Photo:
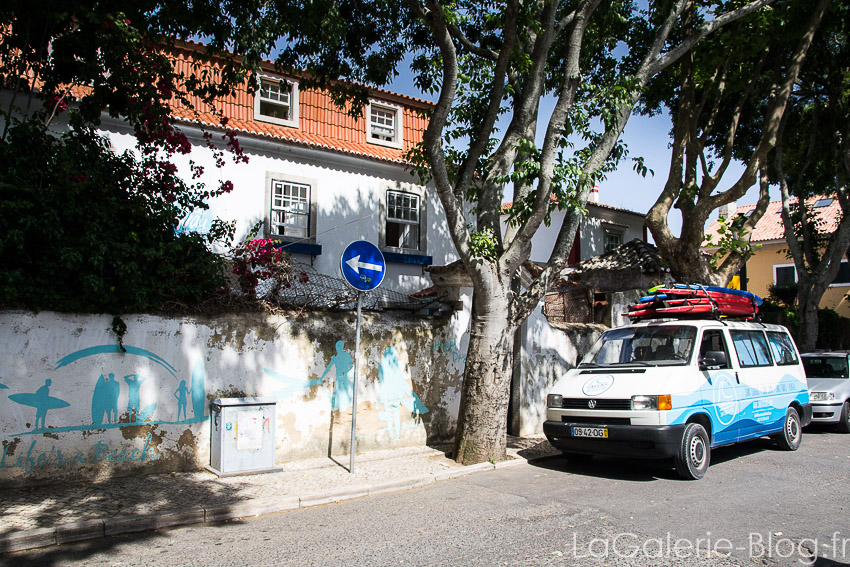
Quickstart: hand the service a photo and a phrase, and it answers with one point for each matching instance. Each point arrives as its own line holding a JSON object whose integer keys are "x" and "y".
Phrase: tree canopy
{"x": 812, "y": 161}
{"x": 727, "y": 100}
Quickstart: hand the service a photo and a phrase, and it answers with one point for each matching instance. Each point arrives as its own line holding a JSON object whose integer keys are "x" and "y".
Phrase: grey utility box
{"x": 242, "y": 440}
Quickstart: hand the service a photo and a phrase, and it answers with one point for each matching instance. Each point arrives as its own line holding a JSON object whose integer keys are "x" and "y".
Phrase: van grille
{"x": 601, "y": 404}
{"x": 592, "y": 420}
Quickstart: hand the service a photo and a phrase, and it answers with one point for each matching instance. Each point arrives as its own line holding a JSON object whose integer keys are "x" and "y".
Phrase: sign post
{"x": 363, "y": 267}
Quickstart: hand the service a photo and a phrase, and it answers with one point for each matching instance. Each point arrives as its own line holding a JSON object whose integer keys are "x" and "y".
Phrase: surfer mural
{"x": 42, "y": 401}
{"x": 114, "y": 390}
{"x": 343, "y": 365}
{"x": 104, "y": 402}
{"x": 395, "y": 391}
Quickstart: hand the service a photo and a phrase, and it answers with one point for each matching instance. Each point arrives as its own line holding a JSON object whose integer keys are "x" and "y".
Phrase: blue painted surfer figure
{"x": 42, "y": 395}
{"x": 134, "y": 382}
{"x": 182, "y": 394}
{"x": 343, "y": 387}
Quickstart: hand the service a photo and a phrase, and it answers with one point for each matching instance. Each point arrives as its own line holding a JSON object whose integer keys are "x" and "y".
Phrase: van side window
{"x": 751, "y": 348}
{"x": 782, "y": 347}
{"x": 712, "y": 340}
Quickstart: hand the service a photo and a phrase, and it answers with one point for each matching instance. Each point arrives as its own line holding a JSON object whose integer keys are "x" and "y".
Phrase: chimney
{"x": 594, "y": 194}
{"x": 728, "y": 211}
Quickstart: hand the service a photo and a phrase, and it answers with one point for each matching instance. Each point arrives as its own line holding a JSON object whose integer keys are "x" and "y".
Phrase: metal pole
{"x": 352, "y": 448}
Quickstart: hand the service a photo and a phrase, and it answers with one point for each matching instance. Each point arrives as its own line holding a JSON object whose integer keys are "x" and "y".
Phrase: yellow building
{"x": 771, "y": 264}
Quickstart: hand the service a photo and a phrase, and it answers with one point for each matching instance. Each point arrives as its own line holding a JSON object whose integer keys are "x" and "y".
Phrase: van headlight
{"x": 662, "y": 402}
{"x": 822, "y": 396}
{"x": 555, "y": 401}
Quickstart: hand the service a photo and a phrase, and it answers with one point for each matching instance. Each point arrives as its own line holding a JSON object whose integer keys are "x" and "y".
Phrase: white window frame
{"x": 293, "y": 102}
{"x": 846, "y": 284}
{"x": 397, "y": 140}
{"x": 301, "y": 212}
{"x": 402, "y": 221}
{"x": 775, "y": 280}
{"x": 611, "y": 232}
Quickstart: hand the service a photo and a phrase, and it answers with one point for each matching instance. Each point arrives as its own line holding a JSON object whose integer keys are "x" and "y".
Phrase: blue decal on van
{"x": 598, "y": 385}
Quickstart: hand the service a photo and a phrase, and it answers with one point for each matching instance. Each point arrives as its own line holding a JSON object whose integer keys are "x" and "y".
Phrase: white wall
{"x": 349, "y": 193}
{"x": 547, "y": 354}
{"x": 591, "y": 229}
{"x": 409, "y": 387}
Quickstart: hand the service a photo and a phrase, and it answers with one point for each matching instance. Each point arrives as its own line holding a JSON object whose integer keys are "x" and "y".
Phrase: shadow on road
{"x": 643, "y": 470}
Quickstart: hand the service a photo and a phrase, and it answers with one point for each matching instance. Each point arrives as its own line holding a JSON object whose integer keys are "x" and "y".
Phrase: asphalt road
{"x": 756, "y": 506}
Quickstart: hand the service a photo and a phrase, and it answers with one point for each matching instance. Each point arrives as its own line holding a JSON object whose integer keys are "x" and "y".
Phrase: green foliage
{"x": 484, "y": 244}
{"x": 732, "y": 240}
{"x": 785, "y": 294}
{"x": 828, "y": 324}
{"x": 85, "y": 229}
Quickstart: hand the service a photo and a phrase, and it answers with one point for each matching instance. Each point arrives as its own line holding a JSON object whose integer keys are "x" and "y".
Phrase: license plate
{"x": 598, "y": 432}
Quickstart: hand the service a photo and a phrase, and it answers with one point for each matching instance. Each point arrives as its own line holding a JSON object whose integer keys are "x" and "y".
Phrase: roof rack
{"x": 695, "y": 301}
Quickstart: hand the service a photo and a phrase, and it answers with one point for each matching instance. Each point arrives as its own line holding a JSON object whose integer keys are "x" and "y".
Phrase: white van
{"x": 678, "y": 388}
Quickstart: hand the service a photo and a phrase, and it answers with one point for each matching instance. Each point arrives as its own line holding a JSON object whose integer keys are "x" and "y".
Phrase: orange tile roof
{"x": 770, "y": 226}
{"x": 321, "y": 124}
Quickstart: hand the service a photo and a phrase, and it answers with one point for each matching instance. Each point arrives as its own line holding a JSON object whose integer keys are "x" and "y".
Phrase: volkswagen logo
{"x": 591, "y": 404}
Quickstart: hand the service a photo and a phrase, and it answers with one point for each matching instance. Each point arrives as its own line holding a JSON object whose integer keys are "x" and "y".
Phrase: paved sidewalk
{"x": 62, "y": 513}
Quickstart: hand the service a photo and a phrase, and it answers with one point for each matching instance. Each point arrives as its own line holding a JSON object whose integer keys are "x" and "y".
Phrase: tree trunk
{"x": 809, "y": 294}
{"x": 686, "y": 265}
{"x": 808, "y": 334}
{"x": 482, "y": 419}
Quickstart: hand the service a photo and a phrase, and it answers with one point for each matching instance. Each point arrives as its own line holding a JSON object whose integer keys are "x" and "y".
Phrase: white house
{"x": 603, "y": 228}
{"x": 316, "y": 178}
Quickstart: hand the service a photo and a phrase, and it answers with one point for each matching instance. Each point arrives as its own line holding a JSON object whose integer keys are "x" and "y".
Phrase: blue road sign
{"x": 362, "y": 265}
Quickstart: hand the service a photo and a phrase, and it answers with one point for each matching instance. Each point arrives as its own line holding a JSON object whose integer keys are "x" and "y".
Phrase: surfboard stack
{"x": 681, "y": 301}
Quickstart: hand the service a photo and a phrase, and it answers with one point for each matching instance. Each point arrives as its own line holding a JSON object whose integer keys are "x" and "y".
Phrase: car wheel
{"x": 792, "y": 434}
{"x": 844, "y": 420}
{"x": 694, "y": 453}
{"x": 577, "y": 458}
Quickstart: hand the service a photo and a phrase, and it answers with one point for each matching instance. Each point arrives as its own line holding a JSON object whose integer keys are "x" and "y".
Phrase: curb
{"x": 93, "y": 529}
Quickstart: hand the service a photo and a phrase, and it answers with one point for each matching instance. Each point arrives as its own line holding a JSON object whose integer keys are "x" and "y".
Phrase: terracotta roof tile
{"x": 320, "y": 125}
{"x": 770, "y": 226}
{"x": 635, "y": 253}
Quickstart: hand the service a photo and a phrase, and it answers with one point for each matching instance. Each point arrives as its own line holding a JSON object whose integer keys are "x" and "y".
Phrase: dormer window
{"x": 276, "y": 101}
{"x": 384, "y": 125}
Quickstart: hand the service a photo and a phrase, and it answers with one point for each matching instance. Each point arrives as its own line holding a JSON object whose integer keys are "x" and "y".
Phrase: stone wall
{"x": 76, "y": 404}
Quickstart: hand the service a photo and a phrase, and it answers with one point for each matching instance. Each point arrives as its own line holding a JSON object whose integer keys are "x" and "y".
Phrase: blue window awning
{"x": 415, "y": 259}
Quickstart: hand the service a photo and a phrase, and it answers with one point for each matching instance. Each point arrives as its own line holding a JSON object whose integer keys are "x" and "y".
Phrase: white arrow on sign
{"x": 355, "y": 264}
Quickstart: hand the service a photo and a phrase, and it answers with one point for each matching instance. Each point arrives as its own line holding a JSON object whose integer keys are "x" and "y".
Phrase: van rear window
{"x": 782, "y": 347}
{"x": 751, "y": 348}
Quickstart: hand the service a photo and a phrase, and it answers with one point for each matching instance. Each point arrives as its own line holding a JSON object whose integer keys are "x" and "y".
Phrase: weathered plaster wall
{"x": 73, "y": 405}
{"x": 547, "y": 353}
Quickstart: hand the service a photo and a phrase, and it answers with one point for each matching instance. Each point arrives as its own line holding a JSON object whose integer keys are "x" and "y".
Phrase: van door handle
{"x": 738, "y": 380}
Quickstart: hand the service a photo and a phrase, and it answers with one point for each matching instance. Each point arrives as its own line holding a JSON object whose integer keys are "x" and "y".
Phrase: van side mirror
{"x": 713, "y": 359}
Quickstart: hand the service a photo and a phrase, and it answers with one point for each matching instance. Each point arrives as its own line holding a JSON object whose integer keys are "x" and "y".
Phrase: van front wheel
{"x": 694, "y": 453}
{"x": 792, "y": 434}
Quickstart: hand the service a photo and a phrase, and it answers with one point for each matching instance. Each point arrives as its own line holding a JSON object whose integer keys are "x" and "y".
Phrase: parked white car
{"x": 829, "y": 388}
{"x": 678, "y": 389}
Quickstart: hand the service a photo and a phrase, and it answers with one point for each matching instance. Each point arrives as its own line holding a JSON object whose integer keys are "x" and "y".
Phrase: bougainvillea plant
{"x": 261, "y": 260}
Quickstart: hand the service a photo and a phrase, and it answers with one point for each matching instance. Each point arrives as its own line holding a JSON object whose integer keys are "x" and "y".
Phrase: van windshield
{"x": 667, "y": 345}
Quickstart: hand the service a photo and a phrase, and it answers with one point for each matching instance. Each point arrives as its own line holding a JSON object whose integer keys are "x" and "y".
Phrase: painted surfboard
{"x": 199, "y": 393}
{"x": 39, "y": 402}
{"x": 146, "y": 413}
